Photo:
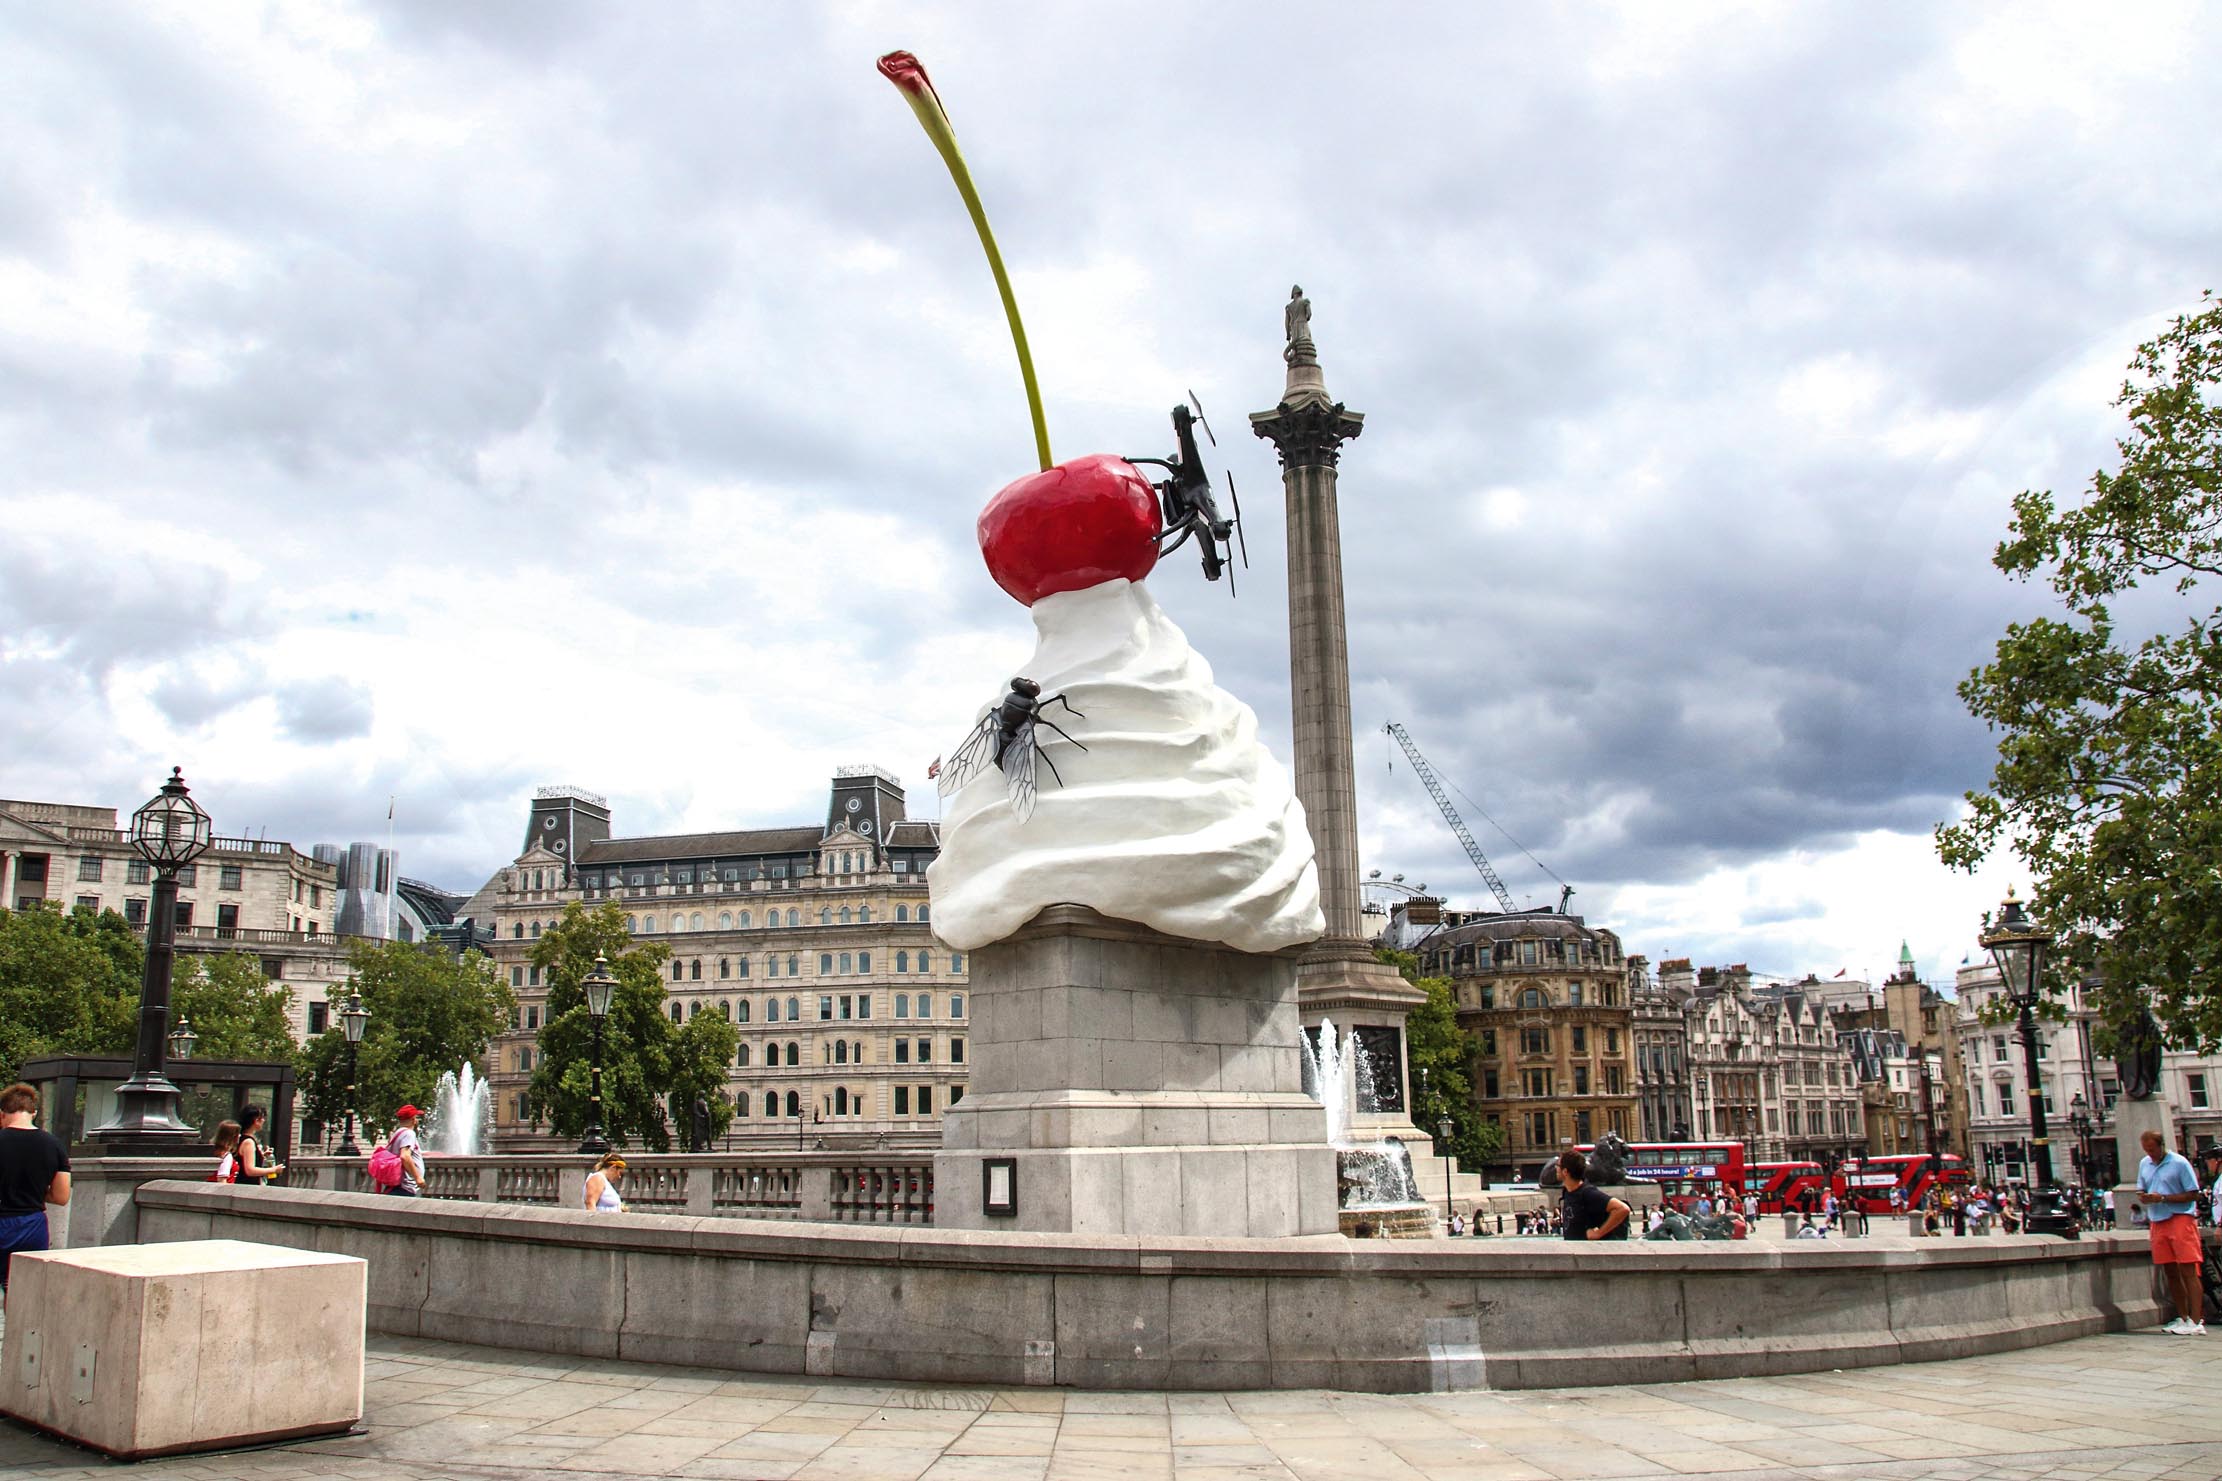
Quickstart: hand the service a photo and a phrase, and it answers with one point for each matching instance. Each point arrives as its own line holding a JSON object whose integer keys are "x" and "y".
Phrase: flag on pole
{"x": 1840, "y": 971}
{"x": 934, "y": 770}
{"x": 389, "y": 809}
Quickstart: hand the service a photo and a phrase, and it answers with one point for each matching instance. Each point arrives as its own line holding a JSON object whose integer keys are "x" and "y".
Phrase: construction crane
{"x": 1458, "y": 824}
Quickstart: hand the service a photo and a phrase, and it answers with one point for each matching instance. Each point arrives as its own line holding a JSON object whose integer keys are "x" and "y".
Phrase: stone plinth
{"x": 143, "y": 1350}
{"x": 1139, "y": 1084}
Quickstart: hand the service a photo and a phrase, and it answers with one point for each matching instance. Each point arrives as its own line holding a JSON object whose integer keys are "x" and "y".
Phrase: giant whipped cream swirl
{"x": 1176, "y": 816}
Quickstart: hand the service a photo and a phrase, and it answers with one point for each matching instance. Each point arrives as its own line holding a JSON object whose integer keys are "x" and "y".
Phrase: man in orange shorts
{"x": 2168, "y": 1189}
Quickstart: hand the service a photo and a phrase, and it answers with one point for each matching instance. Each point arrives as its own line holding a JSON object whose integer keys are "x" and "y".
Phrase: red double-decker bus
{"x": 1686, "y": 1171}
{"x": 1867, "y": 1181}
{"x": 1785, "y": 1186}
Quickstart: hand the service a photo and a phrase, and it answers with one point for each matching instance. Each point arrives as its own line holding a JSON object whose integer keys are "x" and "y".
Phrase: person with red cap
{"x": 403, "y": 1142}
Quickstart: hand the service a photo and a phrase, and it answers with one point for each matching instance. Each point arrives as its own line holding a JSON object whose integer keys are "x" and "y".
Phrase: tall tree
{"x": 648, "y": 1062}
{"x": 235, "y": 1011}
{"x": 430, "y": 1012}
{"x": 69, "y": 984}
{"x": 2108, "y": 783}
{"x": 1440, "y": 1056}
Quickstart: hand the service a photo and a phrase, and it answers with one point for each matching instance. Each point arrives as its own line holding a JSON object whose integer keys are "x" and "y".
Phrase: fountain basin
{"x": 1123, "y": 1312}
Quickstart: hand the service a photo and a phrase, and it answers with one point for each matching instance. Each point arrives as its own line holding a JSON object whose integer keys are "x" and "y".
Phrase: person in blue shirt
{"x": 2169, "y": 1190}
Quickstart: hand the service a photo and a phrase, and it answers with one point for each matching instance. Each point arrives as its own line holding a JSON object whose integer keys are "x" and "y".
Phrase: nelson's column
{"x": 1338, "y": 978}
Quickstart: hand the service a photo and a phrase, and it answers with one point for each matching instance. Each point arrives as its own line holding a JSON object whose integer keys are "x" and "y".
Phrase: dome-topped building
{"x": 1547, "y": 996}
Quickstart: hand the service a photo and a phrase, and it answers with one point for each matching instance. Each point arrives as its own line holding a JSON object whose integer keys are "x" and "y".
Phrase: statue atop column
{"x": 1296, "y": 326}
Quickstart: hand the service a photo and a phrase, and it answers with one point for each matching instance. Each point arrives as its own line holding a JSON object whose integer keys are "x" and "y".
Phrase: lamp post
{"x": 183, "y": 1039}
{"x": 1443, "y": 1129}
{"x": 599, "y": 985}
{"x": 2079, "y": 1119}
{"x": 353, "y": 1019}
{"x": 169, "y": 832}
{"x": 2018, "y": 944}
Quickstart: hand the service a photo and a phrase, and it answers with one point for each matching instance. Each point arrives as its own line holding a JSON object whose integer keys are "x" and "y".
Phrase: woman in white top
{"x": 601, "y": 1185}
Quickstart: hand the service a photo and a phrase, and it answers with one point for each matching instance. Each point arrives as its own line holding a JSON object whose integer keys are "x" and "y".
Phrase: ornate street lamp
{"x": 2079, "y": 1118}
{"x": 353, "y": 1019}
{"x": 1443, "y": 1129}
{"x": 170, "y": 832}
{"x": 2018, "y": 944}
{"x": 183, "y": 1039}
{"x": 600, "y": 987}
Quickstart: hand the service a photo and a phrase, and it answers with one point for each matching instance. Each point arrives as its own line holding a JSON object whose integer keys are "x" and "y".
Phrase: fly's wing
{"x": 968, "y": 760}
{"x": 1019, "y": 758}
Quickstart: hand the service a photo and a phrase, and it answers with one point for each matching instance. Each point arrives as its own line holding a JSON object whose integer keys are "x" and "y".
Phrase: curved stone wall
{"x": 1170, "y": 1313}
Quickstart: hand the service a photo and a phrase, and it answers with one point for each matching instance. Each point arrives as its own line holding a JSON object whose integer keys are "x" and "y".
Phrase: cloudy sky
{"x": 433, "y": 401}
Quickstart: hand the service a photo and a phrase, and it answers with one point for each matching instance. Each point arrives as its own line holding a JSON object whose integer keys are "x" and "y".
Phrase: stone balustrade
{"x": 843, "y": 1187}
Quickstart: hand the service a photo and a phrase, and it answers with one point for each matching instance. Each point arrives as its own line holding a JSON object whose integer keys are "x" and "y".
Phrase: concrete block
{"x": 156, "y": 1349}
{"x": 1271, "y": 1175}
{"x": 1214, "y": 1192}
{"x": 1233, "y": 1126}
{"x": 1098, "y": 1182}
{"x": 1129, "y": 1065}
{"x": 1181, "y": 1126}
{"x": 1191, "y": 1066}
{"x": 1113, "y": 1332}
{"x": 1152, "y": 1189}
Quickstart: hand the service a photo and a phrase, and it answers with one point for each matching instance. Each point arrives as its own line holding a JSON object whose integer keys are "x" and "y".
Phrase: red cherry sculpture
{"x": 1070, "y": 527}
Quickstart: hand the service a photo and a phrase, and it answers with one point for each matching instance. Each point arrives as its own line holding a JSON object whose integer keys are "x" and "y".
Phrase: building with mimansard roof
{"x": 1547, "y": 996}
{"x": 814, "y": 939}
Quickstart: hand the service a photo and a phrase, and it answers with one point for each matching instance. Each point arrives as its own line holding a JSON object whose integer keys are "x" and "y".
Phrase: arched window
{"x": 725, "y": 920}
{"x": 678, "y": 972}
{"x": 771, "y": 965}
{"x": 771, "y": 1010}
{"x": 678, "y": 1014}
{"x": 794, "y": 1105}
{"x": 925, "y": 961}
{"x": 744, "y": 966}
{"x": 536, "y": 930}
{"x": 694, "y": 1010}
{"x": 794, "y": 966}
{"x": 902, "y": 961}
{"x": 694, "y": 921}
{"x": 956, "y": 961}
{"x": 921, "y": 915}
{"x": 925, "y": 1005}
{"x": 771, "y": 1102}
{"x": 744, "y": 920}
{"x": 864, "y": 961}
{"x": 794, "y": 1054}
{"x": 864, "y": 914}
{"x": 825, "y": 964}
{"x": 794, "y": 917}
{"x": 841, "y": 1100}
{"x": 825, "y": 915}
{"x": 725, "y": 1009}
{"x": 902, "y": 913}
{"x": 845, "y": 968}
{"x": 518, "y": 930}
{"x": 856, "y": 1052}
{"x": 725, "y": 968}
{"x": 1533, "y": 997}
{"x": 649, "y": 924}
{"x": 902, "y": 1005}
{"x": 740, "y": 1062}
{"x": 844, "y": 915}
{"x": 740, "y": 1104}
{"x": 742, "y": 1005}
{"x": 632, "y": 926}
{"x": 841, "y": 1052}
{"x": 694, "y": 970}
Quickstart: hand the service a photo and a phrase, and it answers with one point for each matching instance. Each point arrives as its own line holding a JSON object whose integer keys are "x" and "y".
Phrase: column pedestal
{"x": 1130, "y": 1082}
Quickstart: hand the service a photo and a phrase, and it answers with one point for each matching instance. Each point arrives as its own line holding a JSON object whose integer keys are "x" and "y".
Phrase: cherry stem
{"x": 927, "y": 105}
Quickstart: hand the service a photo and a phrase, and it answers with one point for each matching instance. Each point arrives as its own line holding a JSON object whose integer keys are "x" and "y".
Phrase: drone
{"x": 1004, "y": 737}
{"x": 1190, "y": 508}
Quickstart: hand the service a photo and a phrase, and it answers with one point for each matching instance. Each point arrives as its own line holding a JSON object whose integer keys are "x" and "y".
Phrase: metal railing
{"x": 847, "y": 1187}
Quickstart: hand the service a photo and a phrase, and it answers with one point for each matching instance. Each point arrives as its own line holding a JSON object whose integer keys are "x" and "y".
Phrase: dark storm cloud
{"x": 1675, "y": 335}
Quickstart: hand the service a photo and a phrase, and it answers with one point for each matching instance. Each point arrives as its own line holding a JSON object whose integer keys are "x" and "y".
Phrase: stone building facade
{"x": 1764, "y": 1064}
{"x": 1547, "y": 997}
{"x": 816, "y": 940}
{"x": 253, "y": 895}
{"x": 1664, "y": 1108}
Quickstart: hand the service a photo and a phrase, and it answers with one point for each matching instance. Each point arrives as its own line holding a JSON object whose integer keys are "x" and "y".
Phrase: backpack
{"x": 227, "y": 1169}
{"x": 385, "y": 1166}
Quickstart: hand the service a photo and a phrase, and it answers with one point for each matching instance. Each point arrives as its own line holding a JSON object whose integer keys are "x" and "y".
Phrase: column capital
{"x": 1308, "y": 431}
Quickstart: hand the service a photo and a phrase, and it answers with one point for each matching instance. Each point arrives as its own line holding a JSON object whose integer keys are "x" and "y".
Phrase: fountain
{"x": 461, "y": 1111}
{"x": 1378, "y": 1189}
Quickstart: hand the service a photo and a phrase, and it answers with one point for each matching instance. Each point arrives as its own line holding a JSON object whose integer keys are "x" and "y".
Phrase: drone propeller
{"x": 1236, "y": 497}
{"x": 1192, "y": 401}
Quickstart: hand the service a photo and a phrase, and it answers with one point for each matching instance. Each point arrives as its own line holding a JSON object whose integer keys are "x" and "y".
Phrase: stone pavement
{"x": 2134, "y": 1405}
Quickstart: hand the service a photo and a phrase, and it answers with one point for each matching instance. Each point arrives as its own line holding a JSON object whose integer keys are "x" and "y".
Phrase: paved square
{"x": 2137, "y": 1405}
